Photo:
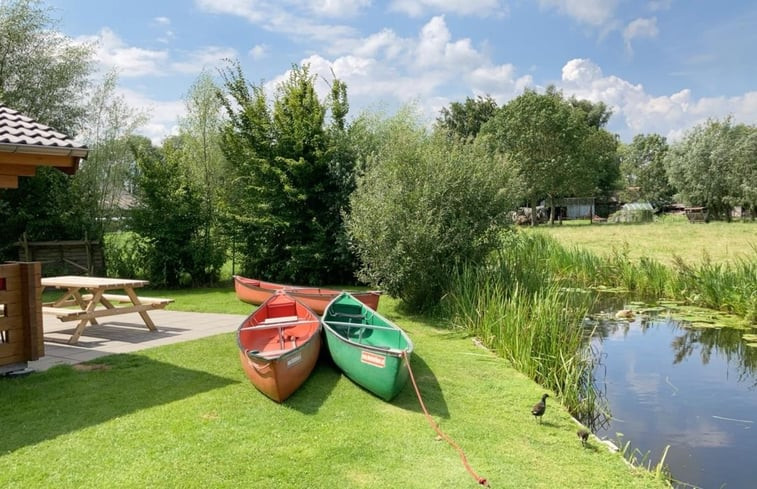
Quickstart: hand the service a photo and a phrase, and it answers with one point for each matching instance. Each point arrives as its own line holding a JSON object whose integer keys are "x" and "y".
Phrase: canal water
{"x": 692, "y": 389}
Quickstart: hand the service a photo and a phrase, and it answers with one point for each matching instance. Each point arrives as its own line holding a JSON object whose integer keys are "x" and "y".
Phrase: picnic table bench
{"x": 74, "y": 305}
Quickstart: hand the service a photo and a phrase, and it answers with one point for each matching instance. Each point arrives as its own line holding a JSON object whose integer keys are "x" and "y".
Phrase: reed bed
{"x": 726, "y": 286}
{"x": 528, "y": 303}
{"x": 540, "y": 330}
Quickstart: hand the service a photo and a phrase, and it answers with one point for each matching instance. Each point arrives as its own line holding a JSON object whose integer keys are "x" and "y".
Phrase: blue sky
{"x": 662, "y": 65}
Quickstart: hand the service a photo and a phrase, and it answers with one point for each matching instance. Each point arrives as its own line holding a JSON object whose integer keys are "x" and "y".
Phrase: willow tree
{"x": 289, "y": 176}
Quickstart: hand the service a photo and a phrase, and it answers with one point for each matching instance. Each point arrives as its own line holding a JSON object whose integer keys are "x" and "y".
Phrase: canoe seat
{"x": 282, "y": 319}
{"x": 348, "y": 315}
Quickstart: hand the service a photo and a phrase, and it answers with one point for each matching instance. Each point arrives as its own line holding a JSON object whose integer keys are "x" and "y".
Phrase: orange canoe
{"x": 279, "y": 345}
{"x": 255, "y": 291}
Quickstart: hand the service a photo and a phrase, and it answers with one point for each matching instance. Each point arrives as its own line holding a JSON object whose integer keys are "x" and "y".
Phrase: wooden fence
{"x": 64, "y": 257}
{"x": 21, "y": 335}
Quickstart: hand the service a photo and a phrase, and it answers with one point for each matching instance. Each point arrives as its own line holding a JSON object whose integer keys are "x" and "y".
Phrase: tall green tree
{"x": 288, "y": 174}
{"x": 463, "y": 120}
{"x": 643, "y": 169}
{"x": 43, "y": 73}
{"x": 707, "y": 167}
{"x": 105, "y": 177}
{"x": 556, "y": 152}
{"x": 165, "y": 215}
{"x": 200, "y": 152}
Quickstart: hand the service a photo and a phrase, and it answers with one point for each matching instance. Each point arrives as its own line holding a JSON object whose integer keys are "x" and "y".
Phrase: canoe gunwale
{"x": 395, "y": 352}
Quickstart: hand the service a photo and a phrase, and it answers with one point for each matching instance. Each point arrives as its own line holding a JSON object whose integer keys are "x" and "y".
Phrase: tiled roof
{"x": 18, "y": 129}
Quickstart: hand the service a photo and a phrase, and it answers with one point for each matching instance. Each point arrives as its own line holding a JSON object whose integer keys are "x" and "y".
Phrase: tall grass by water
{"x": 528, "y": 303}
{"x": 725, "y": 286}
{"x": 539, "y": 330}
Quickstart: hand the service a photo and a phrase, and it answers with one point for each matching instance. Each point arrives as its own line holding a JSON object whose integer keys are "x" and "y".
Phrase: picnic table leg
{"x": 96, "y": 296}
{"x": 135, "y": 300}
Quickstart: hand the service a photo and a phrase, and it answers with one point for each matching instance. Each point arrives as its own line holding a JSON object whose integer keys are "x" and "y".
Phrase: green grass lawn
{"x": 661, "y": 240}
{"x": 185, "y": 416}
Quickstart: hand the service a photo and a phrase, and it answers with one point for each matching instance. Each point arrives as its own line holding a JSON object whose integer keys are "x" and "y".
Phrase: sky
{"x": 663, "y": 66}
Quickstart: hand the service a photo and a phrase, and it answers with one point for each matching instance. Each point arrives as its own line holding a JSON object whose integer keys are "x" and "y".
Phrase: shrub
{"x": 423, "y": 206}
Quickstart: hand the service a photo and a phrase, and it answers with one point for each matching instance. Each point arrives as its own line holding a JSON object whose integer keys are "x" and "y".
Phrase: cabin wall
{"x": 21, "y": 334}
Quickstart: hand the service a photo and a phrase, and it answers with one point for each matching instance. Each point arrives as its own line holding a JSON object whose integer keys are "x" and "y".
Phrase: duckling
{"x": 540, "y": 407}
{"x": 583, "y": 434}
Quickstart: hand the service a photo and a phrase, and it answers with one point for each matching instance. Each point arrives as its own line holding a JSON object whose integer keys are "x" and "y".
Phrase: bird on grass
{"x": 583, "y": 434}
{"x": 540, "y": 407}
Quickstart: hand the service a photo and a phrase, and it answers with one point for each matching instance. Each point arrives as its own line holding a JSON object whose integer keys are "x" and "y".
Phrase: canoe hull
{"x": 280, "y": 378}
{"x": 255, "y": 292}
{"x": 279, "y": 344}
{"x": 370, "y": 350}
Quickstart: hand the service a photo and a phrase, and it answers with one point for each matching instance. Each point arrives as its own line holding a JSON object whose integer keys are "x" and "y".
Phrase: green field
{"x": 662, "y": 240}
{"x": 185, "y": 416}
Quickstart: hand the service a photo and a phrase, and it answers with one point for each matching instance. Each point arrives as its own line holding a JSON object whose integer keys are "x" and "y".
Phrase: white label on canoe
{"x": 373, "y": 359}
{"x": 294, "y": 360}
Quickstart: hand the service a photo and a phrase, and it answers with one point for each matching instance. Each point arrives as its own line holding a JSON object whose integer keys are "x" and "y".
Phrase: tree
{"x": 289, "y": 171}
{"x": 643, "y": 168}
{"x": 200, "y": 151}
{"x": 464, "y": 120}
{"x": 708, "y": 166}
{"x": 423, "y": 206}
{"x": 165, "y": 215}
{"x": 43, "y": 74}
{"x": 105, "y": 176}
{"x": 556, "y": 152}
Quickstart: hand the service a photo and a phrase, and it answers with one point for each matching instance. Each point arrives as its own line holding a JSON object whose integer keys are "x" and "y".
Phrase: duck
{"x": 583, "y": 435}
{"x": 540, "y": 407}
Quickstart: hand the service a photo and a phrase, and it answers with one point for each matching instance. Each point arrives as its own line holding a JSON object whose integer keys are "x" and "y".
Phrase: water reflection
{"x": 692, "y": 389}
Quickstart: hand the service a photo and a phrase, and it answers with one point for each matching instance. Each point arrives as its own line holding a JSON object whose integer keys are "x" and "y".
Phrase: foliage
{"x": 708, "y": 166}
{"x": 43, "y": 208}
{"x": 539, "y": 331}
{"x": 43, "y": 74}
{"x": 463, "y": 121}
{"x": 106, "y": 176}
{"x": 642, "y": 164}
{"x": 166, "y": 216}
{"x": 292, "y": 175}
{"x": 125, "y": 253}
{"x": 199, "y": 152}
{"x": 423, "y": 206}
{"x": 555, "y": 150}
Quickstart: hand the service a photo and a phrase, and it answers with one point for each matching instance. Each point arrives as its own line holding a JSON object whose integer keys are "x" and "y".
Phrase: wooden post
{"x": 31, "y": 310}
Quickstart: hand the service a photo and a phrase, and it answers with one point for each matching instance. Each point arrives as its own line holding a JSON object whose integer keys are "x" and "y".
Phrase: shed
{"x": 25, "y": 144}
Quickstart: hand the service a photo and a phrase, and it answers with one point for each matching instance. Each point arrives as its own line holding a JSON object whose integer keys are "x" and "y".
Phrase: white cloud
{"x": 163, "y": 114}
{"x": 112, "y": 52}
{"x": 162, "y": 20}
{"x": 259, "y": 51}
{"x": 640, "y": 28}
{"x": 293, "y": 18}
{"x": 658, "y": 5}
{"x": 337, "y": 8}
{"x": 417, "y": 8}
{"x": 593, "y": 12}
{"x": 201, "y": 59}
{"x": 636, "y": 111}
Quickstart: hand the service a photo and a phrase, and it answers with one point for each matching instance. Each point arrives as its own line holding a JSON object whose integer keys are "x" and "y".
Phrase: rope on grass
{"x": 439, "y": 431}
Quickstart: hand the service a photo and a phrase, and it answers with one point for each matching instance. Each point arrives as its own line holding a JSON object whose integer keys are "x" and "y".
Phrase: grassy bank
{"x": 662, "y": 240}
{"x": 185, "y": 416}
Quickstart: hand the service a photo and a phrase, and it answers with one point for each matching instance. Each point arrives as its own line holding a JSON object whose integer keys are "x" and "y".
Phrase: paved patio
{"x": 127, "y": 333}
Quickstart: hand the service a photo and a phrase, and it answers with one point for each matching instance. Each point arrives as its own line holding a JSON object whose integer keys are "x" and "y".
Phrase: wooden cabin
{"x": 25, "y": 145}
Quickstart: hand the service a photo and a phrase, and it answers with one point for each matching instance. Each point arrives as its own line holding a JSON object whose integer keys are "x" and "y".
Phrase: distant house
{"x": 25, "y": 144}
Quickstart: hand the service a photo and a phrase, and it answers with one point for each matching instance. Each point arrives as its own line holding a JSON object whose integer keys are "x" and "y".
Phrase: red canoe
{"x": 255, "y": 291}
{"x": 279, "y": 345}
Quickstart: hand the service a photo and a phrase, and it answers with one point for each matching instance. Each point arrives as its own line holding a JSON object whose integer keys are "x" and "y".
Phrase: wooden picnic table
{"x": 87, "y": 293}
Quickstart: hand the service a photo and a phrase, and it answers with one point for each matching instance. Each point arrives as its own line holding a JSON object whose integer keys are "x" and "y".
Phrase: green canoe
{"x": 368, "y": 348}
